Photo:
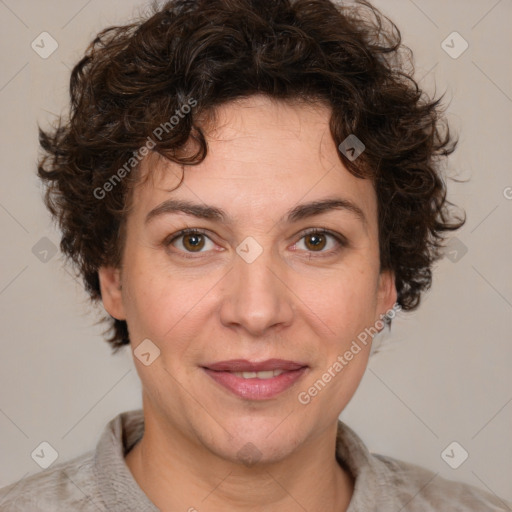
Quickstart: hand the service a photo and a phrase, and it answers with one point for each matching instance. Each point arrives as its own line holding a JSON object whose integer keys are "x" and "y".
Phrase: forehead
{"x": 264, "y": 157}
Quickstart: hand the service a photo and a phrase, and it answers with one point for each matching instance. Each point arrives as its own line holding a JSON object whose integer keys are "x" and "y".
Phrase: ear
{"x": 111, "y": 295}
{"x": 386, "y": 293}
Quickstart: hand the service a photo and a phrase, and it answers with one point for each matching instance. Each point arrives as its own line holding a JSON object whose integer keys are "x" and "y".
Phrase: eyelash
{"x": 342, "y": 241}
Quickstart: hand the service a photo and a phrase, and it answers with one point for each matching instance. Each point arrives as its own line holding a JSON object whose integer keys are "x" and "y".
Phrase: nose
{"x": 257, "y": 297}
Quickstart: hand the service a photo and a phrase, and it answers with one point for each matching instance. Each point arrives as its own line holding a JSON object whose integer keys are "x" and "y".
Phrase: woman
{"x": 252, "y": 190}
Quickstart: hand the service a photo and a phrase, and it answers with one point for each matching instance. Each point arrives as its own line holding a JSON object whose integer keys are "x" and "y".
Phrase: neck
{"x": 177, "y": 474}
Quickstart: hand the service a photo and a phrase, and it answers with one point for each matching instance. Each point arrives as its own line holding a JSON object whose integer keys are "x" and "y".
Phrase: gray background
{"x": 444, "y": 372}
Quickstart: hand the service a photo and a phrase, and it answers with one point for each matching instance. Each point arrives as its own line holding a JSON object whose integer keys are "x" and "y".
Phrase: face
{"x": 274, "y": 279}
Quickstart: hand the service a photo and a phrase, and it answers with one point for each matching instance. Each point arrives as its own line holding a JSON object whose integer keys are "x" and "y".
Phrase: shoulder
{"x": 421, "y": 490}
{"x": 69, "y": 484}
{"x": 386, "y": 484}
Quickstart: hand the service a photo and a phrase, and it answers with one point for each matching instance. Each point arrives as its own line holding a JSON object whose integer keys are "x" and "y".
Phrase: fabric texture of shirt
{"x": 100, "y": 480}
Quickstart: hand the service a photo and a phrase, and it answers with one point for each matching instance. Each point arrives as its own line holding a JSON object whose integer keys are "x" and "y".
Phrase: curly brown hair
{"x": 134, "y": 78}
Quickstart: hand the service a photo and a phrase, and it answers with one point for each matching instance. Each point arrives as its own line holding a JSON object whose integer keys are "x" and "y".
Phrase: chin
{"x": 256, "y": 440}
{"x": 257, "y": 452}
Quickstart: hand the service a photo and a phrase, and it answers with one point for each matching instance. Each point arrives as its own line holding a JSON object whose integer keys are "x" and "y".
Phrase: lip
{"x": 255, "y": 388}
{"x": 242, "y": 365}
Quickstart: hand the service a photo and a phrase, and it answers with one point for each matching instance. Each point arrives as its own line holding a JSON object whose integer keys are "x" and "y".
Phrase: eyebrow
{"x": 301, "y": 211}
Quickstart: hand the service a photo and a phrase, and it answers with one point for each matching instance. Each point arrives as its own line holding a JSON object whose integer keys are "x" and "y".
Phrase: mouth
{"x": 256, "y": 380}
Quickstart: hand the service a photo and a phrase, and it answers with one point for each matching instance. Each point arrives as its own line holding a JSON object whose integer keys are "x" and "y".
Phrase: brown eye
{"x": 315, "y": 241}
{"x": 194, "y": 242}
{"x": 189, "y": 241}
{"x": 322, "y": 241}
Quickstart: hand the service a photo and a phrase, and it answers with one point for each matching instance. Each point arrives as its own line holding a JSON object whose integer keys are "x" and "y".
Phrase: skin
{"x": 297, "y": 301}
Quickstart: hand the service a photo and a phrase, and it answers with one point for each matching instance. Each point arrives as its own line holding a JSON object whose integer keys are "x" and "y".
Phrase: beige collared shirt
{"x": 100, "y": 480}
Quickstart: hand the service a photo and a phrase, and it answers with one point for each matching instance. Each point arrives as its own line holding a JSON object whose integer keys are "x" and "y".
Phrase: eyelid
{"x": 311, "y": 231}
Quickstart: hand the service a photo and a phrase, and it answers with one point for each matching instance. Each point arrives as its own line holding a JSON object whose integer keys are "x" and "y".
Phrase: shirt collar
{"x": 118, "y": 489}
{"x": 373, "y": 488}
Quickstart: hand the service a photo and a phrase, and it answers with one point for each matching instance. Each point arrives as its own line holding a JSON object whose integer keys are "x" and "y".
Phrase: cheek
{"x": 146, "y": 297}
{"x": 158, "y": 305}
{"x": 344, "y": 302}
